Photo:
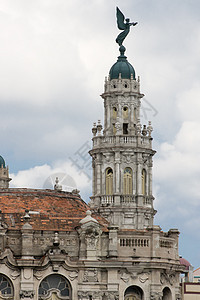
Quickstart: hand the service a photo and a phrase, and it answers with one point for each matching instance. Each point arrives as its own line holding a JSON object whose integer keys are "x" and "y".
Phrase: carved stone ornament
{"x": 90, "y": 275}
{"x": 73, "y": 275}
{"x": 144, "y": 277}
{"x": 87, "y": 295}
{"x": 108, "y": 157}
{"x": 15, "y": 274}
{"x": 27, "y": 273}
{"x": 26, "y": 294}
{"x": 38, "y": 274}
{"x": 117, "y": 126}
{"x": 127, "y": 158}
{"x": 156, "y": 296}
{"x": 178, "y": 297}
{"x": 92, "y": 237}
{"x": 125, "y": 277}
{"x": 98, "y": 295}
{"x": 167, "y": 278}
{"x": 9, "y": 254}
{"x": 55, "y": 267}
{"x": 111, "y": 295}
{"x": 145, "y": 158}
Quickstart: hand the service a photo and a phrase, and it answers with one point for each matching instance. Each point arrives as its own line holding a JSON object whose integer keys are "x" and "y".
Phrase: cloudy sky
{"x": 54, "y": 56}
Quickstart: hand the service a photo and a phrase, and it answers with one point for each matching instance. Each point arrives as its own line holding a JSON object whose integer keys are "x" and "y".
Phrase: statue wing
{"x": 120, "y": 20}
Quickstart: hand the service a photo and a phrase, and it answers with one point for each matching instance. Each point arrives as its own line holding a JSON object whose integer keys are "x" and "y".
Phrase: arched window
{"x": 6, "y": 288}
{"x": 167, "y": 295}
{"x": 133, "y": 293}
{"x": 109, "y": 181}
{"x": 114, "y": 112}
{"x": 128, "y": 181}
{"x": 55, "y": 287}
{"x": 125, "y": 112}
{"x": 144, "y": 181}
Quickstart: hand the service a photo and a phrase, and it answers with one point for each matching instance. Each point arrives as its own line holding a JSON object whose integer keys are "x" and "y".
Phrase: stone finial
{"x": 138, "y": 127}
{"x": 26, "y": 216}
{"x": 144, "y": 130}
{"x": 94, "y": 129}
{"x": 149, "y": 128}
{"x": 26, "y": 219}
{"x": 57, "y": 186}
{"x": 56, "y": 241}
{"x": 88, "y": 218}
{"x": 99, "y": 127}
{"x": 76, "y": 192}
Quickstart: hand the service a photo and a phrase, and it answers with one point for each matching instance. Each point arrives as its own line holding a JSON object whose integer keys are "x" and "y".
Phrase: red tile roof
{"x": 49, "y": 209}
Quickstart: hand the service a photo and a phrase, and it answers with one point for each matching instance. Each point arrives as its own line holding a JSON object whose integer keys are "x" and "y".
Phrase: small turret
{"x": 4, "y": 174}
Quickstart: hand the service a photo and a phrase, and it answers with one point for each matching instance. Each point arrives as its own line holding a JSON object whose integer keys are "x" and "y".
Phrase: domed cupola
{"x": 122, "y": 66}
{"x": 2, "y": 162}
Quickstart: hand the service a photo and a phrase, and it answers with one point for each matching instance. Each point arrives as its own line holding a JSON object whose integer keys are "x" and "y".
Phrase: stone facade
{"x": 55, "y": 246}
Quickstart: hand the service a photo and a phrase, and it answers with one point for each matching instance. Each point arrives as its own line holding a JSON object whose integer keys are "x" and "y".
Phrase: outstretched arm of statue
{"x": 133, "y": 23}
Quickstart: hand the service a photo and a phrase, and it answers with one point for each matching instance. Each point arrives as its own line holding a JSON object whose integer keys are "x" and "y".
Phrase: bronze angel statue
{"x": 123, "y": 26}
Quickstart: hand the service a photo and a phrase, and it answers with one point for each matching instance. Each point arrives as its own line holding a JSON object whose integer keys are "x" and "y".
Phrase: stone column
{"x": 27, "y": 243}
{"x": 109, "y": 125}
{"x": 117, "y": 173}
{"x": 155, "y": 239}
{"x": 27, "y": 260}
{"x": 27, "y": 284}
{"x": 98, "y": 175}
{"x": 105, "y": 115}
{"x": 113, "y": 242}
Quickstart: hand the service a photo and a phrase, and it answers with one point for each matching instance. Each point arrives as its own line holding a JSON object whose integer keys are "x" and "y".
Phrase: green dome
{"x": 2, "y": 162}
{"x": 122, "y": 66}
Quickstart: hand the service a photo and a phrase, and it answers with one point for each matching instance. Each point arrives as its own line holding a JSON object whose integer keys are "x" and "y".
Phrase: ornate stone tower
{"x": 4, "y": 174}
{"x": 122, "y": 153}
{"x": 144, "y": 260}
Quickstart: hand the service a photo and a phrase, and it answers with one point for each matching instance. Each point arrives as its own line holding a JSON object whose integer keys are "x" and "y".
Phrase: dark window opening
{"x": 5, "y": 287}
{"x": 125, "y": 128}
{"x": 55, "y": 283}
{"x": 109, "y": 171}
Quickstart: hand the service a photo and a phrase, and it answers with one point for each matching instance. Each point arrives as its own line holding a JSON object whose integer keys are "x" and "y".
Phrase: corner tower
{"x": 4, "y": 174}
{"x": 122, "y": 153}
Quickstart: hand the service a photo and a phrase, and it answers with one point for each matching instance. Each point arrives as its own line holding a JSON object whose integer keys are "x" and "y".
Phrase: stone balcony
{"x": 124, "y": 200}
{"x": 123, "y": 140}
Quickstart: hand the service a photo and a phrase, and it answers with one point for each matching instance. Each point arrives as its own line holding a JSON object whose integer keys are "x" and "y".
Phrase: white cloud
{"x": 37, "y": 176}
{"x": 54, "y": 56}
